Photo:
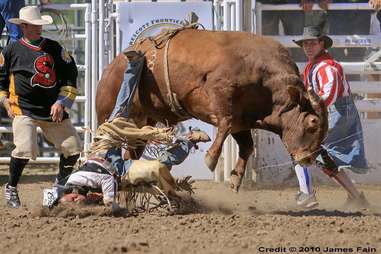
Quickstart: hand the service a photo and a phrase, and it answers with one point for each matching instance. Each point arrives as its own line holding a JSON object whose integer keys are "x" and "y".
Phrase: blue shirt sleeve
{"x": 121, "y": 166}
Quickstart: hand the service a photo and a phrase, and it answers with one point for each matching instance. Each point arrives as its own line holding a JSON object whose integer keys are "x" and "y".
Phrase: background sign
{"x": 148, "y": 18}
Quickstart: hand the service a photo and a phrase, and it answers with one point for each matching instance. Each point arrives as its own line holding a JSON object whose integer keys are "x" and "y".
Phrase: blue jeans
{"x": 127, "y": 88}
{"x": 177, "y": 153}
{"x": 10, "y": 9}
{"x": 173, "y": 155}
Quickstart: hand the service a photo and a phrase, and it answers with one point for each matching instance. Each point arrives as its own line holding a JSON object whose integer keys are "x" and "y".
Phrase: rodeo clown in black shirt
{"x": 37, "y": 82}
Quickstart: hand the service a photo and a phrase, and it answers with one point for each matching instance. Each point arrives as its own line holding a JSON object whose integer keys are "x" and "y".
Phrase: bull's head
{"x": 305, "y": 125}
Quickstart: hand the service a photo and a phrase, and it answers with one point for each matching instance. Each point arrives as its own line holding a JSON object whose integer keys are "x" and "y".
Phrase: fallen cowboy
{"x": 255, "y": 87}
{"x": 105, "y": 171}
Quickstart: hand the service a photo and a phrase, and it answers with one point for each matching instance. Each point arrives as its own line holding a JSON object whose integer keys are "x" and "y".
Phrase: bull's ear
{"x": 295, "y": 93}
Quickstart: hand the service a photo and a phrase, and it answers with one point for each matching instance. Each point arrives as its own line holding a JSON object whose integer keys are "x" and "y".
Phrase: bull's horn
{"x": 317, "y": 104}
{"x": 313, "y": 97}
{"x": 315, "y": 101}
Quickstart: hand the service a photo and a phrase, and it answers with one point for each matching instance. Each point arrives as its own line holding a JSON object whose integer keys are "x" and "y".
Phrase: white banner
{"x": 142, "y": 19}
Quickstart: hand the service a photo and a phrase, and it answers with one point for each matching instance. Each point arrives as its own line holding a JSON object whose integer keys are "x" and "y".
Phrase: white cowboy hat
{"x": 31, "y": 15}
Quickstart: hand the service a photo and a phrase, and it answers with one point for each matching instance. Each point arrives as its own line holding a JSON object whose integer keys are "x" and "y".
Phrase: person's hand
{"x": 7, "y": 106}
{"x": 42, "y": 2}
{"x": 57, "y": 111}
{"x": 307, "y": 5}
{"x": 323, "y": 4}
{"x": 10, "y": 113}
{"x": 375, "y": 4}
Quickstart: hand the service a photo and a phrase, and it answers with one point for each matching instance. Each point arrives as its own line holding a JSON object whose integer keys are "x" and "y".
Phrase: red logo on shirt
{"x": 45, "y": 76}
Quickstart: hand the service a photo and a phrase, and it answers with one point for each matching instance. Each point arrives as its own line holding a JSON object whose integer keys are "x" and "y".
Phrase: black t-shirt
{"x": 33, "y": 76}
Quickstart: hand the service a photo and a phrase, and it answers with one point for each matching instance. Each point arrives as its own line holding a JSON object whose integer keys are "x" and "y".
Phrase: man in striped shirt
{"x": 343, "y": 147}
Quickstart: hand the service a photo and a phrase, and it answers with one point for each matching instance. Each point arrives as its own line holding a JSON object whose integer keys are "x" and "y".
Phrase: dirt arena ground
{"x": 220, "y": 222}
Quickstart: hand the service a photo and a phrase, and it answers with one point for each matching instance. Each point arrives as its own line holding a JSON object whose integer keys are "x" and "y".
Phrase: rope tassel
{"x": 121, "y": 133}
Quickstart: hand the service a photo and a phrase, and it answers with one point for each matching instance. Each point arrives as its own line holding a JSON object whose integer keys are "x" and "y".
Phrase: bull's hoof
{"x": 360, "y": 202}
{"x": 210, "y": 162}
{"x": 235, "y": 181}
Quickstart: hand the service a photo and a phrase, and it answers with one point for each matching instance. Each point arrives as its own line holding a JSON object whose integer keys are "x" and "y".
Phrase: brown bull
{"x": 234, "y": 80}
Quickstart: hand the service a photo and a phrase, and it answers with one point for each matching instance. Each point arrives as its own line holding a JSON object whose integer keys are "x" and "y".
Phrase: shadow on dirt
{"x": 320, "y": 212}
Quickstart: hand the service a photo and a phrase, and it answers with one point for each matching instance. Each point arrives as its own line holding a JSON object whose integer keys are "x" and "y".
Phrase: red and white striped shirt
{"x": 327, "y": 78}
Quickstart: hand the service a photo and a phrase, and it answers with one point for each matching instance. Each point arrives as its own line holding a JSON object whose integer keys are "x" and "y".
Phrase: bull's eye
{"x": 311, "y": 129}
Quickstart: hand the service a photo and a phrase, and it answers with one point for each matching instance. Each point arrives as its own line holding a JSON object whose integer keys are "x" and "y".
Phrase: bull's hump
{"x": 228, "y": 42}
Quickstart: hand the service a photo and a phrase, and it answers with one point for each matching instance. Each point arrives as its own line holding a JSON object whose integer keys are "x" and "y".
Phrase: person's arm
{"x": 4, "y": 81}
{"x": 328, "y": 80}
{"x": 68, "y": 79}
{"x": 67, "y": 74}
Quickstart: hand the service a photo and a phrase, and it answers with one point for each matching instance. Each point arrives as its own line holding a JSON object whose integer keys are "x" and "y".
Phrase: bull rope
{"x": 157, "y": 43}
{"x": 174, "y": 103}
